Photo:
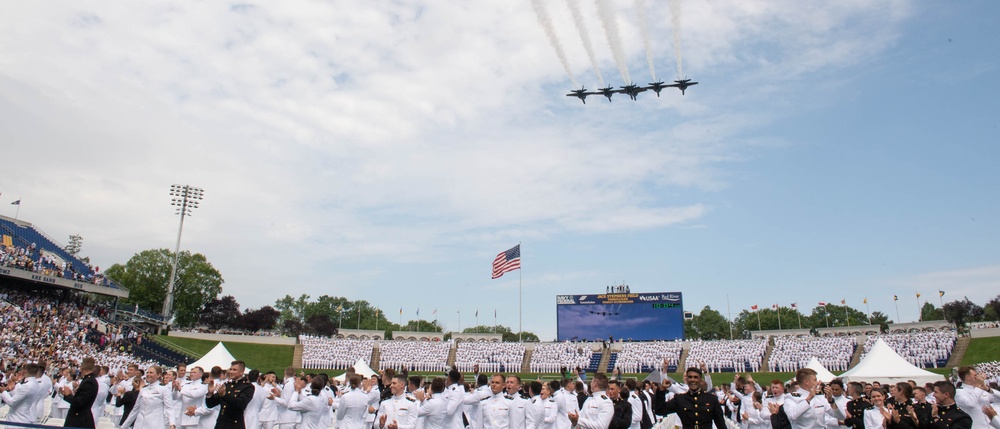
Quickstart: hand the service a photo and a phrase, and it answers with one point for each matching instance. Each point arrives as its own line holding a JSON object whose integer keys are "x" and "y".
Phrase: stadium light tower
{"x": 186, "y": 199}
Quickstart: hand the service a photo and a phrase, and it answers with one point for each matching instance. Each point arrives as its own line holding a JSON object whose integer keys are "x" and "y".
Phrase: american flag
{"x": 508, "y": 260}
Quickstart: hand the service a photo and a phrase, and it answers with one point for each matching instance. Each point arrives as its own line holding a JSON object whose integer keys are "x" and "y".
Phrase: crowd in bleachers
{"x": 990, "y": 370}
{"x": 728, "y": 355}
{"x": 791, "y": 353}
{"x": 330, "y": 353}
{"x": 647, "y": 356}
{"x": 30, "y": 258}
{"x": 414, "y": 355}
{"x": 555, "y": 357}
{"x": 43, "y": 327}
{"x": 491, "y": 357}
{"x": 922, "y": 349}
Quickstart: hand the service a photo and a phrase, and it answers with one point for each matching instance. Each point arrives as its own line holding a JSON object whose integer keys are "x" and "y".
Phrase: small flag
{"x": 753, "y": 308}
{"x": 822, "y": 304}
{"x": 400, "y": 311}
{"x": 418, "y": 311}
{"x": 866, "y": 300}
{"x": 918, "y": 294}
{"x": 508, "y": 260}
{"x": 16, "y": 203}
{"x": 895, "y": 298}
{"x": 340, "y": 307}
{"x": 494, "y": 313}
{"x": 775, "y": 306}
{"x": 940, "y": 293}
{"x": 843, "y": 302}
{"x": 435, "y": 311}
{"x": 477, "y": 312}
{"x": 795, "y": 305}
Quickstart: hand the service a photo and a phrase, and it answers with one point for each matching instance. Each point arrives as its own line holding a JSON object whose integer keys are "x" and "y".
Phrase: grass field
{"x": 982, "y": 350}
{"x": 257, "y": 356}
{"x": 277, "y": 358}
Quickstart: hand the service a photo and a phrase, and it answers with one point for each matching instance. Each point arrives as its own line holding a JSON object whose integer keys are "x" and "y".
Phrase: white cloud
{"x": 370, "y": 131}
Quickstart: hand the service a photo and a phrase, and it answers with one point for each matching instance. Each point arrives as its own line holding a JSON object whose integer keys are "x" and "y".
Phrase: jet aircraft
{"x": 632, "y": 90}
{"x": 683, "y": 84}
{"x": 607, "y": 92}
{"x": 657, "y": 87}
{"x": 580, "y": 93}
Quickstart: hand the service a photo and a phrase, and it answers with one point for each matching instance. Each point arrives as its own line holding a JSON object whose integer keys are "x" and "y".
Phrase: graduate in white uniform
{"x": 154, "y": 405}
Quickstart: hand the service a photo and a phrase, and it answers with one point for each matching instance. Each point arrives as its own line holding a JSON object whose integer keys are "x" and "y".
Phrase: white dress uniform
{"x": 352, "y": 409}
{"x": 518, "y": 411}
{"x": 636, "y": 403}
{"x": 473, "y": 405}
{"x": 192, "y": 395}
{"x": 399, "y": 409}
{"x": 496, "y": 412}
{"x": 873, "y": 418}
{"x": 251, "y": 414}
{"x": 453, "y": 396}
{"x": 100, "y": 403}
{"x": 432, "y": 413}
{"x": 153, "y": 405}
{"x": 972, "y": 399}
{"x": 268, "y": 411}
{"x": 541, "y": 413}
{"x": 21, "y": 401}
{"x": 311, "y": 407}
{"x": 286, "y": 418}
{"x": 60, "y": 407}
{"x": 596, "y": 412}
{"x": 46, "y": 390}
{"x": 804, "y": 414}
{"x": 566, "y": 403}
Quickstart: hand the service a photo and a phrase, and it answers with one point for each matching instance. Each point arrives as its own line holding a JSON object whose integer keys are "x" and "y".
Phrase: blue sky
{"x": 831, "y": 151}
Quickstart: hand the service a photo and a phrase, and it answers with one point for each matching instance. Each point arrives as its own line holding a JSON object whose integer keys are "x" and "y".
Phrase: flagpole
{"x": 520, "y": 328}
{"x": 477, "y": 320}
{"x": 895, "y": 300}
{"x": 848, "y": 314}
{"x": 799, "y": 314}
{"x": 400, "y": 317}
{"x": 779, "y": 317}
{"x": 941, "y": 297}
{"x": 376, "y": 319}
{"x": 758, "y": 320}
{"x": 729, "y": 313}
{"x": 18, "y": 211}
{"x": 460, "y": 320}
{"x": 868, "y": 311}
{"x": 494, "y": 321}
{"x": 919, "y": 316}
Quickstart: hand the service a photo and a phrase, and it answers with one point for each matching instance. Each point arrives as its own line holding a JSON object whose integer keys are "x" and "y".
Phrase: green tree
{"x": 75, "y": 244}
{"x": 709, "y": 324}
{"x": 962, "y": 312}
{"x": 831, "y": 315}
{"x": 746, "y": 321}
{"x": 147, "y": 273}
{"x": 298, "y": 315}
{"x": 929, "y": 312}
{"x": 992, "y": 309}
{"x": 507, "y": 334}
{"x": 881, "y": 319}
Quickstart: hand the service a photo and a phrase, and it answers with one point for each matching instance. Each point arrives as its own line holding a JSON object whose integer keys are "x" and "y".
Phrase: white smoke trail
{"x": 640, "y": 9}
{"x": 574, "y": 10}
{"x": 607, "y": 14}
{"x": 675, "y": 21}
{"x": 546, "y": 22}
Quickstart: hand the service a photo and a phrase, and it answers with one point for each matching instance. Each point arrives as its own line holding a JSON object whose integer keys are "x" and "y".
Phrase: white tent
{"x": 884, "y": 365}
{"x": 361, "y": 368}
{"x": 218, "y": 356}
{"x": 822, "y": 374}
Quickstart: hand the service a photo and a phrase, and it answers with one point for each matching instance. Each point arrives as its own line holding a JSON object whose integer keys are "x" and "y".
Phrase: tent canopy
{"x": 822, "y": 374}
{"x": 218, "y": 356}
{"x": 361, "y": 368}
{"x": 884, "y": 365}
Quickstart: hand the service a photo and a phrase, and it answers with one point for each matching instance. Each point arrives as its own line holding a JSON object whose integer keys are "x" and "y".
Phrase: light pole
{"x": 186, "y": 199}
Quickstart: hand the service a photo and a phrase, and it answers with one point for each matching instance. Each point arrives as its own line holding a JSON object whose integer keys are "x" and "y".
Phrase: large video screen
{"x": 635, "y": 316}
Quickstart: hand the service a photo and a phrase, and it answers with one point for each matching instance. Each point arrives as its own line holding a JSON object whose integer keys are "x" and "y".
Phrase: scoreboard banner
{"x": 629, "y": 316}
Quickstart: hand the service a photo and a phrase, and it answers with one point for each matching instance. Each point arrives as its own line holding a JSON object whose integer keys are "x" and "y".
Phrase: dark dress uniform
{"x": 950, "y": 417}
{"x": 647, "y": 420}
{"x": 905, "y": 421}
{"x": 80, "y": 403}
{"x": 857, "y": 409}
{"x": 695, "y": 409}
{"x": 923, "y": 410}
{"x": 232, "y": 404}
{"x": 622, "y": 418}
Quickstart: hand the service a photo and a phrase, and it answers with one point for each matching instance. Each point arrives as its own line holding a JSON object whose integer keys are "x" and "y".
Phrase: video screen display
{"x": 635, "y": 316}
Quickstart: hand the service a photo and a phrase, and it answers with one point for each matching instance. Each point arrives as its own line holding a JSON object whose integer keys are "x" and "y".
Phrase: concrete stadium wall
{"x": 281, "y": 341}
{"x": 985, "y": 333}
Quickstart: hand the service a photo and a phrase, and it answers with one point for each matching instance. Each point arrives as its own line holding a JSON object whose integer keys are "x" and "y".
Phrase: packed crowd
{"x": 489, "y": 356}
{"x": 728, "y": 355}
{"x": 30, "y": 258}
{"x": 990, "y": 371}
{"x": 792, "y": 353}
{"x": 643, "y": 357}
{"x": 414, "y": 355}
{"x": 555, "y": 357}
{"x": 922, "y": 349}
{"x": 331, "y": 353}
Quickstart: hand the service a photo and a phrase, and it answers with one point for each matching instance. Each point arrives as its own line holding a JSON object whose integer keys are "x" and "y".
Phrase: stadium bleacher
{"x": 489, "y": 356}
{"x": 554, "y": 357}
{"x": 333, "y": 353}
{"x": 646, "y": 356}
{"x": 414, "y": 355}
{"x": 35, "y": 242}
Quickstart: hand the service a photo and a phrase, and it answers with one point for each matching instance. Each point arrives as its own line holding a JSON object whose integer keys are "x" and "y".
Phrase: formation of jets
{"x": 605, "y": 313}
{"x": 632, "y": 90}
